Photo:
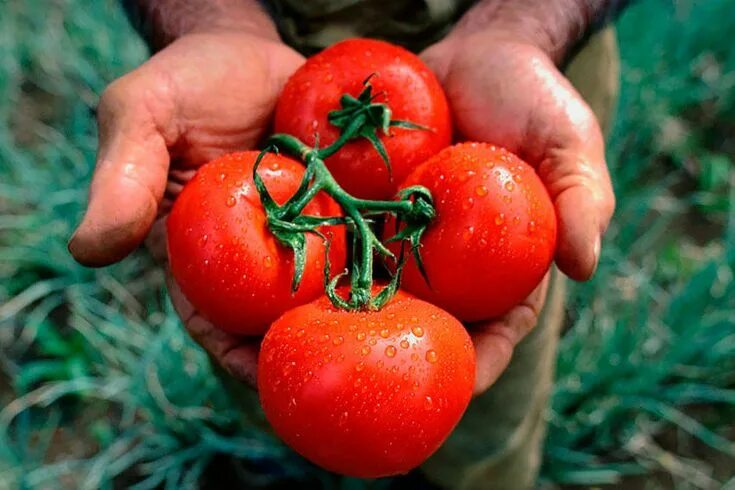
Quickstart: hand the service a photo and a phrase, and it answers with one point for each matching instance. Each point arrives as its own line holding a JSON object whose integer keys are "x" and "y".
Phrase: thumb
{"x": 577, "y": 179}
{"x": 131, "y": 170}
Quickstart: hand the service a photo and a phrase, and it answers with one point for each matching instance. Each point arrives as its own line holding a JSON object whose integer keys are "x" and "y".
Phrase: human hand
{"x": 508, "y": 91}
{"x": 204, "y": 95}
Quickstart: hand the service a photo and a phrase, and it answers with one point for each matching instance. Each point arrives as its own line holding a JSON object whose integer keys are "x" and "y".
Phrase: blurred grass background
{"x": 100, "y": 387}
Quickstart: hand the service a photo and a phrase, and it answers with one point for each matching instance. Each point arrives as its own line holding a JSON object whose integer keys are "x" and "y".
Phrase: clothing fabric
{"x": 311, "y": 25}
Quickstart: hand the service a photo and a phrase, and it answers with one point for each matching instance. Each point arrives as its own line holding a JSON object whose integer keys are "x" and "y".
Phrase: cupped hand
{"x": 204, "y": 95}
{"x": 510, "y": 93}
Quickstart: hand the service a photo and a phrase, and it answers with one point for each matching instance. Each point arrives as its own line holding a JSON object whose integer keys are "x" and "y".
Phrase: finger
{"x": 237, "y": 355}
{"x": 494, "y": 342}
{"x": 155, "y": 241}
{"x": 130, "y": 175}
{"x": 575, "y": 173}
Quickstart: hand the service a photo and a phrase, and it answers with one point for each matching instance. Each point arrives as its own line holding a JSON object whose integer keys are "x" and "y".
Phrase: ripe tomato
{"x": 224, "y": 258}
{"x": 494, "y": 236}
{"x": 405, "y": 83}
{"x": 366, "y": 394}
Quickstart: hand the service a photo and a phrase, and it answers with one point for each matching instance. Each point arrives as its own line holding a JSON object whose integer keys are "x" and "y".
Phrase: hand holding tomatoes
{"x": 202, "y": 96}
{"x": 385, "y": 378}
{"x": 507, "y": 91}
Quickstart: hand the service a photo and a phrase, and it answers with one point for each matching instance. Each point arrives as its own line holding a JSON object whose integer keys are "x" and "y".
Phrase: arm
{"x": 160, "y": 22}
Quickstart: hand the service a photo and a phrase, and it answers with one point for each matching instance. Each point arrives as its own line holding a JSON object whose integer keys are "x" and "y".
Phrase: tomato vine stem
{"x": 359, "y": 117}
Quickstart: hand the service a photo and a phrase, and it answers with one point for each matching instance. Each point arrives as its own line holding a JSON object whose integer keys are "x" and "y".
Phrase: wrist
{"x": 161, "y": 22}
{"x": 555, "y": 27}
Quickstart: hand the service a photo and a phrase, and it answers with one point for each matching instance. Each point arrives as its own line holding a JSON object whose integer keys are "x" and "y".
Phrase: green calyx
{"x": 413, "y": 208}
{"x": 362, "y": 117}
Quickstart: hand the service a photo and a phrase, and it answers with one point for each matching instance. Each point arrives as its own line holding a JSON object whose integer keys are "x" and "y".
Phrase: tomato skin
{"x": 494, "y": 236}
{"x": 224, "y": 258}
{"x": 366, "y": 394}
{"x": 410, "y": 89}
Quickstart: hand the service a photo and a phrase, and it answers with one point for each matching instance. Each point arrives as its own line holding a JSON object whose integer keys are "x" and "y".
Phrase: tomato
{"x": 367, "y": 393}
{"x": 223, "y": 256}
{"x": 494, "y": 235}
{"x": 403, "y": 81}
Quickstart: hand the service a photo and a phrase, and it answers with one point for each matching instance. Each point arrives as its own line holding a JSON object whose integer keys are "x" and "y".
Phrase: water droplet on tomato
{"x": 517, "y": 177}
{"x": 221, "y": 176}
{"x": 203, "y": 240}
{"x": 404, "y": 343}
{"x": 390, "y": 351}
{"x": 268, "y": 261}
{"x": 359, "y": 366}
{"x": 338, "y": 340}
{"x": 231, "y": 201}
{"x": 417, "y": 331}
{"x": 431, "y": 356}
{"x": 385, "y": 333}
{"x": 499, "y": 219}
{"x": 365, "y": 350}
{"x": 481, "y": 190}
{"x": 531, "y": 226}
{"x": 468, "y": 232}
{"x": 468, "y": 203}
{"x": 361, "y": 335}
{"x": 300, "y": 333}
{"x": 428, "y": 403}
{"x": 509, "y": 186}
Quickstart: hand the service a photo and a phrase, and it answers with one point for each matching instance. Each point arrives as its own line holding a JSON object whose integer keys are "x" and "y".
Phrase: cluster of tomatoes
{"x": 362, "y": 387}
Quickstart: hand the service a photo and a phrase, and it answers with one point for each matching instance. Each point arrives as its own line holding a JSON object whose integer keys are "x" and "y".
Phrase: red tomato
{"x": 408, "y": 87}
{"x": 224, "y": 258}
{"x": 366, "y": 394}
{"x": 494, "y": 236}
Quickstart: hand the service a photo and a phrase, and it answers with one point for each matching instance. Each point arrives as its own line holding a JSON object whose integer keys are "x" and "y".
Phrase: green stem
{"x": 354, "y": 209}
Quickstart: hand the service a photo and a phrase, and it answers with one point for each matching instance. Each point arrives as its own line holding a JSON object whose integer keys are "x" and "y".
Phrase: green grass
{"x": 104, "y": 388}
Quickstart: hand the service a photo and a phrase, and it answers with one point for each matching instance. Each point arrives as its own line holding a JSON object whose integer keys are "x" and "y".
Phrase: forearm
{"x": 556, "y": 26}
{"x": 162, "y": 21}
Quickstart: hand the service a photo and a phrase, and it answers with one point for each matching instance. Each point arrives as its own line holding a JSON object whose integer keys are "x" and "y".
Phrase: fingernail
{"x": 596, "y": 253}
{"x": 70, "y": 243}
